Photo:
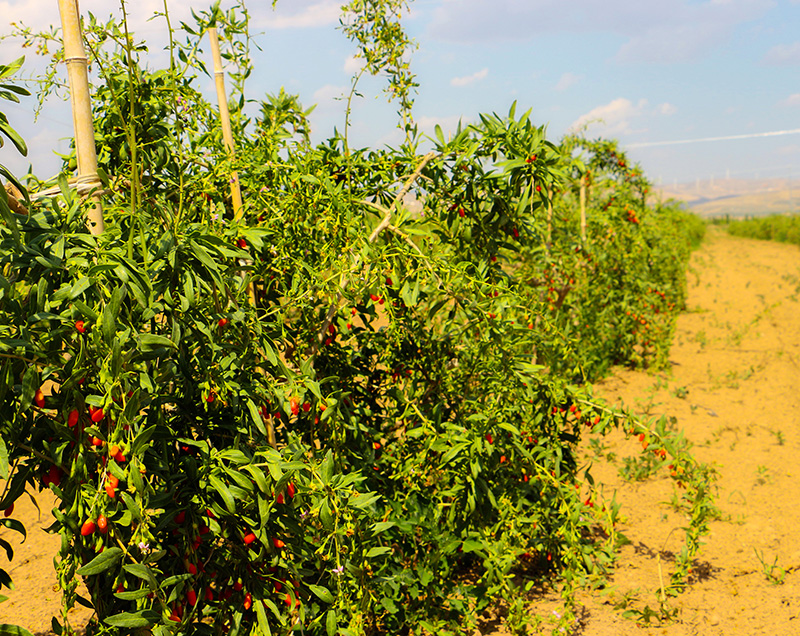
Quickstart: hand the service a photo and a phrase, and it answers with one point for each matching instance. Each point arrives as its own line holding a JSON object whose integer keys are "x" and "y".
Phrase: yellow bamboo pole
{"x": 583, "y": 208}
{"x": 225, "y": 119}
{"x": 78, "y": 70}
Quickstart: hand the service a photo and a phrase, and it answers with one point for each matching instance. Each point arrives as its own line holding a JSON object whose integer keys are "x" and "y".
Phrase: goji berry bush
{"x": 356, "y": 409}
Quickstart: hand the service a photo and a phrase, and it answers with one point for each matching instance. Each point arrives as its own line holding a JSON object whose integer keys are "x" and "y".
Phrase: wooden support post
{"x": 583, "y": 208}
{"x": 225, "y": 120}
{"x": 78, "y": 69}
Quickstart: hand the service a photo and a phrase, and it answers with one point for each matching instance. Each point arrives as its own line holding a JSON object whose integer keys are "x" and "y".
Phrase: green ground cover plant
{"x": 777, "y": 227}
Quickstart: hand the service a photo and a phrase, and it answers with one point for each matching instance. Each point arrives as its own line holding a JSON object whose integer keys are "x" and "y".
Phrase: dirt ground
{"x": 734, "y": 388}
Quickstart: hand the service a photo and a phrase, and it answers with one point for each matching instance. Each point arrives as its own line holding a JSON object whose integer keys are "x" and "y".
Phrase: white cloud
{"x": 667, "y": 109}
{"x": 790, "y": 102}
{"x": 328, "y": 93}
{"x": 470, "y": 79}
{"x": 449, "y": 124}
{"x": 353, "y": 64}
{"x": 664, "y": 31}
{"x": 567, "y": 80}
{"x": 788, "y": 151}
{"x": 614, "y": 118}
{"x": 316, "y": 14}
{"x": 783, "y": 55}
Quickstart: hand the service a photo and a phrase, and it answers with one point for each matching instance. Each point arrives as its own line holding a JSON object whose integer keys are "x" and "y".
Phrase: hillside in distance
{"x": 737, "y": 197}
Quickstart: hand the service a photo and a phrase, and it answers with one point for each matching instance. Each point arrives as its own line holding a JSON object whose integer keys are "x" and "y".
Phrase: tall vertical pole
{"x": 225, "y": 120}
{"x": 78, "y": 70}
{"x": 583, "y": 208}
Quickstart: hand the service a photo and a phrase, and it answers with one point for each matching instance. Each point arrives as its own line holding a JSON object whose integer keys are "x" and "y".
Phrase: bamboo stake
{"x": 78, "y": 70}
{"x": 225, "y": 119}
{"x": 583, "y": 208}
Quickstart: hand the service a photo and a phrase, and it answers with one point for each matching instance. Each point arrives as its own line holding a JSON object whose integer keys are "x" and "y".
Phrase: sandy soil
{"x": 733, "y": 388}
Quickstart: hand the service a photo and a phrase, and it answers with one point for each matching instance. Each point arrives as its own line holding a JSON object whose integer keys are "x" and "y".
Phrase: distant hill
{"x": 737, "y": 197}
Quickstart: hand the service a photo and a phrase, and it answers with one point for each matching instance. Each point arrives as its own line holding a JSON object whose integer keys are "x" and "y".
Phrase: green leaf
{"x": 151, "y": 341}
{"x": 258, "y": 476}
{"x": 8, "y": 548}
{"x": 378, "y": 551}
{"x": 15, "y": 524}
{"x": 224, "y": 492}
{"x": 326, "y": 469}
{"x": 145, "y": 618}
{"x": 330, "y": 623}
{"x": 85, "y": 310}
{"x": 133, "y": 595}
{"x": 255, "y": 416}
{"x": 13, "y": 630}
{"x": 131, "y": 505}
{"x": 5, "y": 212}
{"x": 142, "y": 440}
{"x": 380, "y": 526}
{"x": 142, "y": 572}
{"x": 261, "y": 618}
{"x": 16, "y": 488}
{"x": 4, "y": 466}
{"x": 30, "y": 382}
{"x": 471, "y": 545}
{"x": 364, "y": 500}
{"x": 325, "y": 515}
{"x": 102, "y": 562}
{"x": 177, "y": 578}
{"x": 322, "y": 592}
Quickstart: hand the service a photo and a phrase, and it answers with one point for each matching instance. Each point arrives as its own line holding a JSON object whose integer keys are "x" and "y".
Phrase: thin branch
{"x": 425, "y": 260}
{"x": 385, "y": 223}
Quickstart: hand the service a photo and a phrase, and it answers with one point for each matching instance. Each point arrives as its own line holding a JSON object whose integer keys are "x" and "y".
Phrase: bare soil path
{"x": 734, "y": 388}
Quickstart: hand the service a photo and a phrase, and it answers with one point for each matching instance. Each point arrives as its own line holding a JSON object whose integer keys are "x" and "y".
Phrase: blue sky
{"x": 640, "y": 71}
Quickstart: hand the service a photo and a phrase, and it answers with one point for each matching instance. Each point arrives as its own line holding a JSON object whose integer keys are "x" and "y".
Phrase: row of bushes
{"x": 783, "y": 228}
{"x": 333, "y": 415}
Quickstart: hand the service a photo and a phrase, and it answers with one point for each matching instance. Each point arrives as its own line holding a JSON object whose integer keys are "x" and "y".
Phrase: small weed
{"x": 763, "y": 476}
{"x": 664, "y": 614}
{"x": 773, "y": 572}
{"x": 680, "y": 392}
{"x": 701, "y": 338}
{"x": 600, "y": 451}
{"x": 640, "y": 467}
{"x": 779, "y": 438}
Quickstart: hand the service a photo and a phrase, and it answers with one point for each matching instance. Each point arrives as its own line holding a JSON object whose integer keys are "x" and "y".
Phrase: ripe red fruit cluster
{"x": 80, "y": 326}
{"x": 52, "y": 476}
{"x": 88, "y": 528}
{"x": 249, "y": 538}
{"x": 111, "y": 485}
